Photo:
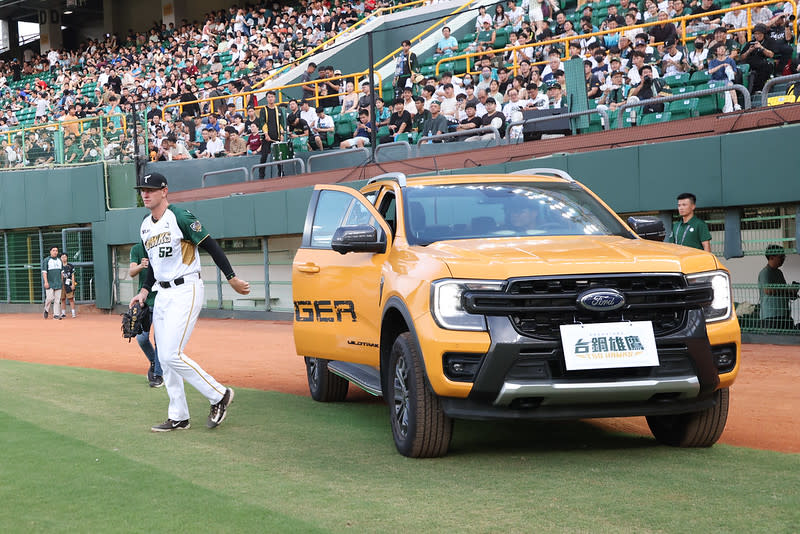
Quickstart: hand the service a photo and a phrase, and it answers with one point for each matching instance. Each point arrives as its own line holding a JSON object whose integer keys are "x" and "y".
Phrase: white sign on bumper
{"x": 609, "y": 345}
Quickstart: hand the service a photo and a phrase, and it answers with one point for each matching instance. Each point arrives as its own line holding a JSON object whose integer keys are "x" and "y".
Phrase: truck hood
{"x": 501, "y": 258}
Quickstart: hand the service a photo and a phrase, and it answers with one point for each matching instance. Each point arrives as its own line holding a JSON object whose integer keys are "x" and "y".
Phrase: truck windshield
{"x": 473, "y": 211}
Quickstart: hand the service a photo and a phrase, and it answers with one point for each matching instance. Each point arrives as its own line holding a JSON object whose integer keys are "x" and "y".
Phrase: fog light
{"x": 461, "y": 367}
{"x": 724, "y": 357}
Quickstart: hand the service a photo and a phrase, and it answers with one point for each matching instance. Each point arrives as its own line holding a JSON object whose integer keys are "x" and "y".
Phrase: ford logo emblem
{"x": 601, "y": 300}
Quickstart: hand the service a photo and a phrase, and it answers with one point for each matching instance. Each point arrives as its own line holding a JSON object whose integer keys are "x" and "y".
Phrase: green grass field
{"x": 77, "y": 456}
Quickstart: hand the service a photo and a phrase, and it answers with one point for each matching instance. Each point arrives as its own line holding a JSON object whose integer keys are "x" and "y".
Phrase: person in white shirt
{"x": 320, "y": 127}
{"x": 307, "y": 112}
{"x": 448, "y": 103}
{"x": 536, "y": 100}
{"x": 482, "y": 17}
{"x": 515, "y": 15}
{"x": 673, "y": 60}
{"x": 408, "y": 101}
{"x": 514, "y": 104}
{"x": 214, "y": 145}
{"x": 554, "y": 64}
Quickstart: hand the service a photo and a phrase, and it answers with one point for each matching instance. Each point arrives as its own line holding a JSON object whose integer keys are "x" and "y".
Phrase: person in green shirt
{"x": 690, "y": 231}
{"x": 775, "y": 292}
{"x": 51, "y": 279}
{"x": 138, "y": 267}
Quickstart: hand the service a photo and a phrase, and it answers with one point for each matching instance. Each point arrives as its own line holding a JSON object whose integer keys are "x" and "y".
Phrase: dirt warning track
{"x": 765, "y": 401}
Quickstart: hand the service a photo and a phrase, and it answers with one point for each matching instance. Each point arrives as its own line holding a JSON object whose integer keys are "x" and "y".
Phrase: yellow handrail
{"x": 279, "y": 91}
{"x": 53, "y": 126}
{"x": 681, "y": 19}
{"x": 425, "y": 32}
{"x": 378, "y": 12}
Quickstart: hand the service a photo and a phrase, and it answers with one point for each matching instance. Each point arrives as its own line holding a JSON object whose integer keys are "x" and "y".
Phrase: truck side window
{"x": 332, "y": 207}
{"x": 388, "y": 210}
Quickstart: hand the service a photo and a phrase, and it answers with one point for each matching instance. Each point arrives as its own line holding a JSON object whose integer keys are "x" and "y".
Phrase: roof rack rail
{"x": 546, "y": 170}
{"x": 399, "y": 177}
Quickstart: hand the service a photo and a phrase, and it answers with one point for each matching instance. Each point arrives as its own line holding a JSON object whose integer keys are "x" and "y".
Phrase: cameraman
{"x": 649, "y": 88}
{"x": 775, "y": 293}
{"x": 757, "y": 54}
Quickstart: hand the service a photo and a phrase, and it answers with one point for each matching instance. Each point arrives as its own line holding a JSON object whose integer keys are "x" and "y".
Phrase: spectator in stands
{"x": 321, "y": 127}
{"x": 734, "y": 20}
{"x": 553, "y": 64}
{"x": 253, "y": 139}
{"x": 437, "y": 124}
{"x": 615, "y": 92}
{"x": 361, "y": 137}
{"x": 650, "y": 87}
{"x": 215, "y": 146}
{"x": 593, "y": 83}
{"x": 399, "y": 122}
{"x": 663, "y": 32}
{"x": 309, "y": 90}
{"x": 673, "y": 61}
{"x": 723, "y": 69}
{"x": 493, "y": 118}
{"x": 731, "y": 44}
{"x": 484, "y": 39}
{"x": 408, "y": 101}
{"x": 706, "y": 23}
{"x": 447, "y": 45}
{"x": 307, "y": 112}
{"x": 350, "y": 99}
{"x": 780, "y": 31}
{"x": 236, "y": 145}
{"x": 365, "y": 100}
{"x": 500, "y": 19}
{"x": 775, "y": 293}
{"x": 757, "y": 54}
{"x": 698, "y": 58}
{"x": 406, "y": 66}
{"x": 421, "y": 115}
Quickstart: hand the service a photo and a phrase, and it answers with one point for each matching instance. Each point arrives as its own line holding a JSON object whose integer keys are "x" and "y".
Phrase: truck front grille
{"x": 537, "y": 306}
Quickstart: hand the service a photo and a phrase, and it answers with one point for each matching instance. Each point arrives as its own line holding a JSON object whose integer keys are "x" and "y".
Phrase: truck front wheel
{"x": 419, "y": 425}
{"x": 324, "y": 385}
{"x": 696, "y": 429}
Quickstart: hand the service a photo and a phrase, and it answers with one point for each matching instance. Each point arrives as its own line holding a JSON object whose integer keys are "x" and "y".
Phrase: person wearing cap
{"x": 775, "y": 293}
{"x": 757, "y": 54}
{"x": 673, "y": 61}
{"x": 172, "y": 238}
{"x": 615, "y": 92}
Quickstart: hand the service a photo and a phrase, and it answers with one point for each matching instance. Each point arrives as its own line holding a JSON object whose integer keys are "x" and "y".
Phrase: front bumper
{"x": 521, "y": 377}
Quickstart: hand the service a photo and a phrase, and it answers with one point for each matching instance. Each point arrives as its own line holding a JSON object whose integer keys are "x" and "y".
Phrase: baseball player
{"x": 68, "y": 283}
{"x": 171, "y": 237}
{"x": 138, "y": 267}
{"x": 51, "y": 277}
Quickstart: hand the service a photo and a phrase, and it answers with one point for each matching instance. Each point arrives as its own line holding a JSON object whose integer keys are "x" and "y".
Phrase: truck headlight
{"x": 720, "y": 307}
{"x": 448, "y": 309}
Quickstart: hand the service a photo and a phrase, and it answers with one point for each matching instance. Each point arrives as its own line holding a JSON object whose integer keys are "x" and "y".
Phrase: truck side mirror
{"x": 361, "y": 238}
{"x": 648, "y": 227}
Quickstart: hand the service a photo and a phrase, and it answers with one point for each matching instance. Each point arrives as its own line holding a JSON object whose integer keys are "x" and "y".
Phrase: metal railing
{"x": 226, "y": 171}
{"x": 317, "y": 157}
{"x": 604, "y": 119}
{"x": 462, "y": 133}
{"x": 394, "y": 144}
{"x": 694, "y": 94}
{"x": 781, "y": 318}
{"x": 775, "y": 81}
{"x": 566, "y": 40}
{"x": 277, "y": 163}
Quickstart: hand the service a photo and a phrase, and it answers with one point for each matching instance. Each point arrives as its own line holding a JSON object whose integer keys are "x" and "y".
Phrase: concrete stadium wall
{"x": 751, "y": 168}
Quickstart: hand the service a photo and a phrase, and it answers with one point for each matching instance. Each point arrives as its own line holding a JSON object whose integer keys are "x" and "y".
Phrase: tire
{"x": 696, "y": 429}
{"x": 419, "y": 426}
{"x": 324, "y": 385}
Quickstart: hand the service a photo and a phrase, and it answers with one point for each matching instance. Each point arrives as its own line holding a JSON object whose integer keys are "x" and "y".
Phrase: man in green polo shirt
{"x": 690, "y": 231}
{"x": 775, "y": 292}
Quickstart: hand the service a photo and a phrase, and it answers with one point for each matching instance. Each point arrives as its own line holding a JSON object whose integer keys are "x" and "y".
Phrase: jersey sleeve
{"x": 190, "y": 226}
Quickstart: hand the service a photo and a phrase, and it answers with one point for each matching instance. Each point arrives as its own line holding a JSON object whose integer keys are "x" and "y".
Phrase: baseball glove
{"x": 132, "y": 321}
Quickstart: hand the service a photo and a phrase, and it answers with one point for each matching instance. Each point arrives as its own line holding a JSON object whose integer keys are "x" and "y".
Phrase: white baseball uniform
{"x": 171, "y": 245}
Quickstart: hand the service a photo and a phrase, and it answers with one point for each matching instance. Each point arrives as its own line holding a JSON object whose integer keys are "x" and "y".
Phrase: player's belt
{"x": 180, "y": 281}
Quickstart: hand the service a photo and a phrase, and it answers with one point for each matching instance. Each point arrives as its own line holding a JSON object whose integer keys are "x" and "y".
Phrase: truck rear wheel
{"x": 696, "y": 429}
{"x": 419, "y": 425}
{"x": 324, "y": 385}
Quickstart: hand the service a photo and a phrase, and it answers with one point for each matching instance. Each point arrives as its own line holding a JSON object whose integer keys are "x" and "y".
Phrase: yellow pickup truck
{"x": 517, "y": 296}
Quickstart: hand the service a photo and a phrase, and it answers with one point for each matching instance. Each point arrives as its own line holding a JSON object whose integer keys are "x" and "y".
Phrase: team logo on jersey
{"x": 196, "y": 226}
{"x": 154, "y": 241}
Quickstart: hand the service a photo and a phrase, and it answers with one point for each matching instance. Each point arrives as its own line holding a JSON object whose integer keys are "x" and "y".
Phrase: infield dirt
{"x": 765, "y": 400}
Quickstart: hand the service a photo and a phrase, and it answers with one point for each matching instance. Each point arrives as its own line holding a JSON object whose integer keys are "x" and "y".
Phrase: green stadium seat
{"x": 683, "y": 109}
{"x": 677, "y": 80}
{"x": 300, "y": 144}
{"x": 699, "y": 77}
{"x": 709, "y": 104}
{"x": 629, "y": 116}
{"x": 655, "y": 118}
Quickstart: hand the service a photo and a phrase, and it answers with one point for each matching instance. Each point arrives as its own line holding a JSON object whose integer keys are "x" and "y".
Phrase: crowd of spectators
{"x": 92, "y": 91}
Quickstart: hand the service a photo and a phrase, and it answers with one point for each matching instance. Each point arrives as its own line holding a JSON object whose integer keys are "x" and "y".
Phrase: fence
{"x": 21, "y": 254}
{"x": 762, "y": 226}
{"x": 265, "y": 262}
{"x": 782, "y": 313}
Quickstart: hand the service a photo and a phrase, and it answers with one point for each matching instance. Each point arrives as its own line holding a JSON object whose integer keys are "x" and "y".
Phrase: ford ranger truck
{"x": 516, "y": 296}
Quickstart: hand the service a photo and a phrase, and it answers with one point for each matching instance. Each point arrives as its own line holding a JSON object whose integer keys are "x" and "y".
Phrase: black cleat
{"x": 220, "y": 409}
{"x": 157, "y": 381}
{"x": 151, "y": 374}
{"x": 169, "y": 425}
{"x": 45, "y": 314}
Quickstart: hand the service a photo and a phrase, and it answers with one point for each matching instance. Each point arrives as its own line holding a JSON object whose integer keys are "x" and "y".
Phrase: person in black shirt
{"x": 494, "y": 118}
{"x": 299, "y": 127}
{"x": 115, "y": 82}
{"x": 399, "y": 122}
{"x": 756, "y": 53}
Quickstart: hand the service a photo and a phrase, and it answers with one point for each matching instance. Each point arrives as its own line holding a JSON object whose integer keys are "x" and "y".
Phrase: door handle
{"x": 308, "y": 268}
